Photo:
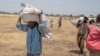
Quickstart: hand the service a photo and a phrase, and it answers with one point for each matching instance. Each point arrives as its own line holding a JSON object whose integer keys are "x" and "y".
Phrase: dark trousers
{"x": 59, "y": 25}
{"x": 80, "y": 42}
{"x": 33, "y": 54}
{"x": 51, "y": 26}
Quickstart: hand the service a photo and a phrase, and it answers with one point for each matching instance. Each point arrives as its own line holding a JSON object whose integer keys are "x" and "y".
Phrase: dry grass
{"x": 12, "y": 41}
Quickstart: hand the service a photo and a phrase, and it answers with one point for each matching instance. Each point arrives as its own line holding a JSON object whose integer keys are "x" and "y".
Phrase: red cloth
{"x": 93, "y": 39}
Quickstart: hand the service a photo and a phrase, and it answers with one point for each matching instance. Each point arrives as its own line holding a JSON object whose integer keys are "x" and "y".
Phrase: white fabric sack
{"x": 92, "y": 19}
{"x": 75, "y": 21}
{"x": 29, "y": 13}
{"x": 30, "y": 17}
{"x": 29, "y": 9}
{"x": 46, "y": 29}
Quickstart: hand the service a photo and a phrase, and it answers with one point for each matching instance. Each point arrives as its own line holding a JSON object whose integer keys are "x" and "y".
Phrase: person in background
{"x": 81, "y": 32}
{"x": 93, "y": 38}
{"x": 34, "y": 37}
{"x": 51, "y": 22}
{"x": 92, "y": 21}
{"x": 60, "y": 22}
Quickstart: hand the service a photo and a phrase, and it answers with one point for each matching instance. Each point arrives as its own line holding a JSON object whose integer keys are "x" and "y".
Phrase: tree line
{"x": 56, "y": 15}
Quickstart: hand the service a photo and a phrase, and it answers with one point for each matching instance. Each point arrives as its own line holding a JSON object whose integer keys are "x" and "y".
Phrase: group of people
{"x": 89, "y": 31}
{"x": 86, "y": 31}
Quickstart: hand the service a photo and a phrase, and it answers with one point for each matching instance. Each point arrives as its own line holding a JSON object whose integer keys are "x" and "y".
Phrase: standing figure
{"x": 60, "y": 22}
{"x": 35, "y": 28}
{"x": 51, "y": 22}
{"x": 81, "y": 32}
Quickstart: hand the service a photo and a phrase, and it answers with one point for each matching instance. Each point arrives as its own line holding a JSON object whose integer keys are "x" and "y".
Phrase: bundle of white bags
{"x": 75, "y": 21}
{"x": 30, "y": 13}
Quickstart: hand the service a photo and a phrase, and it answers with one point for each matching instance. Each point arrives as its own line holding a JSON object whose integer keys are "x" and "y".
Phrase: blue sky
{"x": 74, "y": 7}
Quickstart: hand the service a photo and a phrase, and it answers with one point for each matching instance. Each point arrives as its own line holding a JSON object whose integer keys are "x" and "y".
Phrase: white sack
{"x": 29, "y": 9}
{"x": 29, "y": 13}
{"x": 30, "y": 17}
{"x": 46, "y": 29}
{"x": 75, "y": 21}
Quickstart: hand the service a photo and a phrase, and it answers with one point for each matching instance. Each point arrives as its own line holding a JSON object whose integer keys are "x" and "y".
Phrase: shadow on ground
{"x": 76, "y": 51}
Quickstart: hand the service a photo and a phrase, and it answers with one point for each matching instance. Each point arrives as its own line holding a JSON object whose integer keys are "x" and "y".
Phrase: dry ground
{"x": 12, "y": 41}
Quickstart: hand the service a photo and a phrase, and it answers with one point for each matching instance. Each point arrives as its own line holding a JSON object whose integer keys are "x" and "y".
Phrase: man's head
{"x": 98, "y": 18}
{"x": 32, "y": 23}
{"x": 85, "y": 20}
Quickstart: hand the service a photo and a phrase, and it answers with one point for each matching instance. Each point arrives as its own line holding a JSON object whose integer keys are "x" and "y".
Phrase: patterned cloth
{"x": 82, "y": 29}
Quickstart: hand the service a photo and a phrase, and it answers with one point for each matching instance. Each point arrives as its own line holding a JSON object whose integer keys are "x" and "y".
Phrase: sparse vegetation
{"x": 12, "y": 41}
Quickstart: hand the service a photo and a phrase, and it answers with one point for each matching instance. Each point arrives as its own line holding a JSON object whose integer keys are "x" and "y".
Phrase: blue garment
{"x": 34, "y": 38}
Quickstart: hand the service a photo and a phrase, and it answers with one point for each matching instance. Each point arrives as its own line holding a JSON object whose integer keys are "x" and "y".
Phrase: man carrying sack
{"x": 34, "y": 27}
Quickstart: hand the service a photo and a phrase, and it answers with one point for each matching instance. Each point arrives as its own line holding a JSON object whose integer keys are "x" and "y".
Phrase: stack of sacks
{"x": 29, "y": 13}
{"x": 75, "y": 21}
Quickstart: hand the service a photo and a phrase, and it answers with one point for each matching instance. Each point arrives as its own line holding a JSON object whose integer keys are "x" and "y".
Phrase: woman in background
{"x": 93, "y": 38}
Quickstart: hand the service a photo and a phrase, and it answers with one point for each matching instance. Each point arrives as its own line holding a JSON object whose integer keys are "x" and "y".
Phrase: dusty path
{"x": 12, "y": 41}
